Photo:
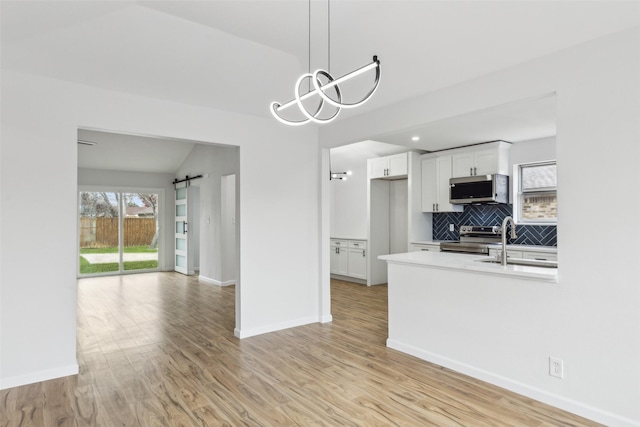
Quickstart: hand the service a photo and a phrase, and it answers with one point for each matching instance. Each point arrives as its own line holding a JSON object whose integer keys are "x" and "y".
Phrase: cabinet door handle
{"x": 363, "y": 253}
{"x": 475, "y": 171}
{"x": 437, "y": 207}
{"x": 470, "y": 171}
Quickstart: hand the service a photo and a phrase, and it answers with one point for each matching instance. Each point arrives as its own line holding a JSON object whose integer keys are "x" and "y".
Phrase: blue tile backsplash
{"x": 545, "y": 235}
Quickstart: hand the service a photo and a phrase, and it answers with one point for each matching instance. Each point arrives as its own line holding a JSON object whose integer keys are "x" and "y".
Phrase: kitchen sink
{"x": 523, "y": 261}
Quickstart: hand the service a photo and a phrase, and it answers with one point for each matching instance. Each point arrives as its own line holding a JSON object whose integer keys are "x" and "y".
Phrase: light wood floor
{"x": 158, "y": 350}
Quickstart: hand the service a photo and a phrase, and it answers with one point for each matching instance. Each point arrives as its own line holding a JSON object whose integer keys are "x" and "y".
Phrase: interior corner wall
{"x": 595, "y": 306}
{"x": 349, "y": 198}
{"x": 279, "y": 268}
{"x": 121, "y": 179}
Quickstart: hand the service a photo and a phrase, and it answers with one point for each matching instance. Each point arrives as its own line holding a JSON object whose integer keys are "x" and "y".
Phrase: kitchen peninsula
{"x": 482, "y": 319}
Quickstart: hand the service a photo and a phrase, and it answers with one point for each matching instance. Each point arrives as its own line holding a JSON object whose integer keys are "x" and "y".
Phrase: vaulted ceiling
{"x": 240, "y": 55}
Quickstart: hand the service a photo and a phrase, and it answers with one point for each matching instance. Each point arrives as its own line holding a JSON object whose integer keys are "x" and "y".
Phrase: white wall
{"x": 533, "y": 150}
{"x": 228, "y": 229}
{"x": 40, "y": 120}
{"x": 120, "y": 179}
{"x": 349, "y": 198}
{"x": 595, "y": 307}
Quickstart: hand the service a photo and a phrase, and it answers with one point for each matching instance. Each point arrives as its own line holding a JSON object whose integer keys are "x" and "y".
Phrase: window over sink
{"x": 536, "y": 198}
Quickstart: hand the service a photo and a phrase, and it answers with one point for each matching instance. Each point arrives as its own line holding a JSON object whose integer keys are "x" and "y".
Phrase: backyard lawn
{"x": 86, "y": 267}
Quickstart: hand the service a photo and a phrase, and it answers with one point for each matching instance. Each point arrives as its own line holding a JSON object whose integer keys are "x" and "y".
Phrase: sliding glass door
{"x": 118, "y": 232}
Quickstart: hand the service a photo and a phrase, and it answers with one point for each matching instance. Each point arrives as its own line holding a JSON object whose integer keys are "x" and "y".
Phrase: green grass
{"x": 87, "y": 268}
{"x": 140, "y": 265}
{"x": 127, "y": 250}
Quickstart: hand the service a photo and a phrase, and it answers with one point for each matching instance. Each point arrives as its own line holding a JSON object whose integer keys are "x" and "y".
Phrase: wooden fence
{"x": 103, "y": 232}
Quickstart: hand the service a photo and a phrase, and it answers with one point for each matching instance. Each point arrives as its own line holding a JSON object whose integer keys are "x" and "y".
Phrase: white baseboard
{"x": 246, "y": 333}
{"x": 38, "y": 376}
{"x": 216, "y": 282}
{"x": 560, "y": 402}
{"x": 348, "y": 279}
{"x": 326, "y": 318}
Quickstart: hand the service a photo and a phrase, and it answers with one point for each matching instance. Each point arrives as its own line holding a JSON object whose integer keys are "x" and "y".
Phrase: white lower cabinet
{"x": 540, "y": 256}
{"x": 349, "y": 258}
{"x": 339, "y": 257}
{"x": 358, "y": 259}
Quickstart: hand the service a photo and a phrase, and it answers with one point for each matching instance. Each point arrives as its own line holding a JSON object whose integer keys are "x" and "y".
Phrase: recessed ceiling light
{"x": 415, "y": 138}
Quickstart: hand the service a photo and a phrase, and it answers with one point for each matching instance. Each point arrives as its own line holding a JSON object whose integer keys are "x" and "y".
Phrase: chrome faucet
{"x": 505, "y": 222}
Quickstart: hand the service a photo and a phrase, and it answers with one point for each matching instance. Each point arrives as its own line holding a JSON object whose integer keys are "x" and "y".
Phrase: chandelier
{"x": 325, "y": 86}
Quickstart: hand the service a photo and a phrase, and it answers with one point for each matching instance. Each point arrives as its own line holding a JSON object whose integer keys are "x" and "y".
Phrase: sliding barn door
{"x": 181, "y": 229}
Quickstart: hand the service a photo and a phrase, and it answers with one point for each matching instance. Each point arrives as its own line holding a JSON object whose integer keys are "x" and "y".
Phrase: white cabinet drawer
{"x": 537, "y": 255}
{"x": 338, "y": 243}
{"x": 510, "y": 253}
{"x": 358, "y": 244}
{"x": 415, "y": 247}
{"x": 543, "y": 256}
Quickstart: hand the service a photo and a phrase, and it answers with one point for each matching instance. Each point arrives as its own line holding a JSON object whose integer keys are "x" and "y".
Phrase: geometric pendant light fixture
{"x": 326, "y": 88}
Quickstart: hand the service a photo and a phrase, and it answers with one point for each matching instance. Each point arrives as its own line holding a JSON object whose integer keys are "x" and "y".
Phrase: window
{"x": 537, "y": 200}
{"x": 119, "y": 231}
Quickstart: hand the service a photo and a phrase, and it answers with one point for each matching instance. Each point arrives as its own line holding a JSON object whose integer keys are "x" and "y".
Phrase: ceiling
{"x": 518, "y": 121}
{"x": 120, "y": 152}
{"x": 240, "y": 55}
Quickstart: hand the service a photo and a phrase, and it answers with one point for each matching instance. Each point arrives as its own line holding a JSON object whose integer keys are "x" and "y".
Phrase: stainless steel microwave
{"x": 479, "y": 189}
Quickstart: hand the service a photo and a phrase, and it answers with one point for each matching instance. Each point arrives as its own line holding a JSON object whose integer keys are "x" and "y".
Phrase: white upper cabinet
{"x": 389, "y": 167}
{"x": 436, "y": 171}
{"x": 484, "y": 159}
{"x": 429, "y": 184}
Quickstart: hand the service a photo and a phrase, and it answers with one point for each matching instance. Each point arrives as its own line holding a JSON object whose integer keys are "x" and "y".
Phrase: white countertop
{"x": 348, "y": 238}
{"x": 467, "y": 262}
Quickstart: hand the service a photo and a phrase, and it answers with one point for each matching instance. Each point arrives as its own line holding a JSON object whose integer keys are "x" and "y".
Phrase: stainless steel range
{"x": 474, "y": 239}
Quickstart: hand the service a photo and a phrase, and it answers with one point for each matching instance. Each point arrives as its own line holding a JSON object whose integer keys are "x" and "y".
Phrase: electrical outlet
{"x": 556, "y": 368}
{"x": 451, "y": 227}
